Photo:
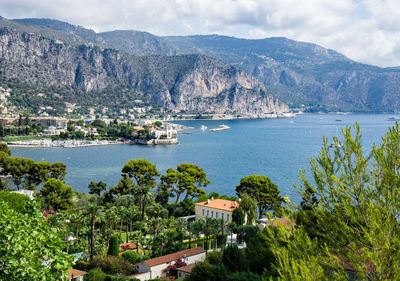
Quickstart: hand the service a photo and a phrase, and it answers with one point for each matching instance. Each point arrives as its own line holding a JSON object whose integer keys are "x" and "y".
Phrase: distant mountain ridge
{"x": 49, "y": 57}
{"x": 298, "y": 73}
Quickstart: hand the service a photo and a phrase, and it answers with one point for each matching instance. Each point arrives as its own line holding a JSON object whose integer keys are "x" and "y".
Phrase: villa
{"x": 216, "y": 208}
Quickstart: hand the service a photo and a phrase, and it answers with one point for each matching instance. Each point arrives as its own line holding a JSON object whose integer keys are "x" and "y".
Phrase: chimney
{"x": 212, "y": 198}
{"x": 208, "y": 201}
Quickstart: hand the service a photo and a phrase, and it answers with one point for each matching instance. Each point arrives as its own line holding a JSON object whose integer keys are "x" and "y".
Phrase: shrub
{"x": 131, "y": 256}
{"x": 113, "y": 248}
{"x": 234, "y": 259}
{"x": 113, "y": 265}
{"x": 14, "y": 200}
{"x": 95, "y": 274}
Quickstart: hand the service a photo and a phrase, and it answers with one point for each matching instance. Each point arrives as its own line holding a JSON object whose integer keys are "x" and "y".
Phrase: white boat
{"x": 220, "y": 128}
{"x": 203, "y": 128}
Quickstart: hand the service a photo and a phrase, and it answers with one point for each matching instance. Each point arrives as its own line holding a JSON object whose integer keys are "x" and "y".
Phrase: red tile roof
{"x": 174, "y": 256}
{"x": 127, "y": 246}
{"x": 221, "y": 204}
{"x": 73, "y": 273}
{"x": 188, "y": 268}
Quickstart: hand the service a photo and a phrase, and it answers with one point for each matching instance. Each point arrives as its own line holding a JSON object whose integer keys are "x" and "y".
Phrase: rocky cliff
{"x": 185, "y": 83}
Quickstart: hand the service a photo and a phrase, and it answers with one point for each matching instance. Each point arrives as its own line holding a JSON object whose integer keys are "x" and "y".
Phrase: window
{"x": 203, "y": 212}
{"x": 212, "y": 213}
{"x": 208, "y": 213}
{"x": 222, "y": 215}
{"x": 227, "y": 217}
{"x": 216, "y": 215}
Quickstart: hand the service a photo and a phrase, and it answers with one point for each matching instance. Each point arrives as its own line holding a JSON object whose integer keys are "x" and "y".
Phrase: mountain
{"x": 298, "y": 73}
{"x": 303, "y": 73}
{"x": 67, "y": 65}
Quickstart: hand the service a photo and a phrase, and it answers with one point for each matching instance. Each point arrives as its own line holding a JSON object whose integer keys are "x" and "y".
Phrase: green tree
{"x": 58, "y": 171}
{"x": 97, "y": 187}
{"x": 249, "y": 207}
{"x": 113, "y": 247}
{"x": 92, "y": 211}
{"x": 186, "y": 182}
{"x": 263, "y": 190}
{"x": 357, "y": 211}
{"x": 30, "y": 249}
{"x": 234, "y": 259}
{"x": 124, "y": 186}
{"x": 144, "y": 174}
{"x": 238, "y": 217}
{"x": 56, "y": 195}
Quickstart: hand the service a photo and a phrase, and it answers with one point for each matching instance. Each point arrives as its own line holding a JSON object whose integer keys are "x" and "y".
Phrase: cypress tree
{"x": 113, "y": 247}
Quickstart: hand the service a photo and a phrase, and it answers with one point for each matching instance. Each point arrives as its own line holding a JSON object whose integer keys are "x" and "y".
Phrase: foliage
{"x": 243, "y": 276}
{"x": 95, "y": 274}
{"x": 25, "y": 171}
{"x": 14, "y": 200}
{"x": 30, "y": 248}
{"x": 113, "y": 247}
{"x": 187, "y": 181}
{"x": 112, "y": 265}
{"x": 238, "y": 216}
{"x": 259, "y": 252}
{"x": 206, "y": 271}
{"x": 234, "y": 259}
{"x": 56, "y": 195}
{"x": 4, "y": 148}
{"x": 97, "y": 187}
{"x": 144, "y": 174}
{"x": 131, "y": 256}
{"x": 263, "y": 190}
{"x": 249, "y": 207}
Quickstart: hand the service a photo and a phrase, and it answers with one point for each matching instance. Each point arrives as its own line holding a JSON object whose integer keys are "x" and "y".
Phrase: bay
{"x": 278, "y": 148}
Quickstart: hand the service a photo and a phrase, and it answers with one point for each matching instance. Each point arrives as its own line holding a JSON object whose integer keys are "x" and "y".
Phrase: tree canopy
{"x": 56, "y": 195}
{"x": 263, "y": 190}
{"x": 30, "y": 249}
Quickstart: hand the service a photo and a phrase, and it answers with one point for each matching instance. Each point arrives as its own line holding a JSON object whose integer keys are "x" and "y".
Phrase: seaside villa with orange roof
{"x": 216, "y": 209}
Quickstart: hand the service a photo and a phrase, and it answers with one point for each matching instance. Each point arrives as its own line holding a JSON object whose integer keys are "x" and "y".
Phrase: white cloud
{"x": 364, "y": 30}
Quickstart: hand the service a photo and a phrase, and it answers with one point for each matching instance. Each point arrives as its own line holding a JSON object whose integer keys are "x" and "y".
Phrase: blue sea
{"x": 278, "y": 148}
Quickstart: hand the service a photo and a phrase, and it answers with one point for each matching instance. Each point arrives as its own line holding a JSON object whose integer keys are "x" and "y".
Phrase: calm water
{"x": 276, "y": 147}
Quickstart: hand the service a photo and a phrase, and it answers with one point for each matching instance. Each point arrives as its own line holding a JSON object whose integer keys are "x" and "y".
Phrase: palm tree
{"x": 92, "y": 211}
{"x": 208, "y": 230}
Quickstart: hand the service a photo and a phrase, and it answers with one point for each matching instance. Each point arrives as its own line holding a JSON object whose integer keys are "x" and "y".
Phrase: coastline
{"x": 220, "y": 117}
{"x": 63, "y": 144}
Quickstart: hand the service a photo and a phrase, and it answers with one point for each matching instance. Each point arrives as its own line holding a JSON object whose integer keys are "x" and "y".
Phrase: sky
{"x": 364, "y": 30}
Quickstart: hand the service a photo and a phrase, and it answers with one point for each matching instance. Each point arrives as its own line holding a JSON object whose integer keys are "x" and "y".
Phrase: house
{"x": 75, "y": 274}
{"x": 167, "y": 265}
{"x": 216, "y": 208}
{"x": 185, "y": 271}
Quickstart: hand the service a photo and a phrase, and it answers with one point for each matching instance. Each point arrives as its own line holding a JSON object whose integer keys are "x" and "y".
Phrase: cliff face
{"x": 193, "y": 83}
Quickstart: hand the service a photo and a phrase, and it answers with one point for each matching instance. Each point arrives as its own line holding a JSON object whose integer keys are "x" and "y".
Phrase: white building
{"x": 216, "y": 208}
{"x": 159, "y": 267}
{"x": 168, "y": 133}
